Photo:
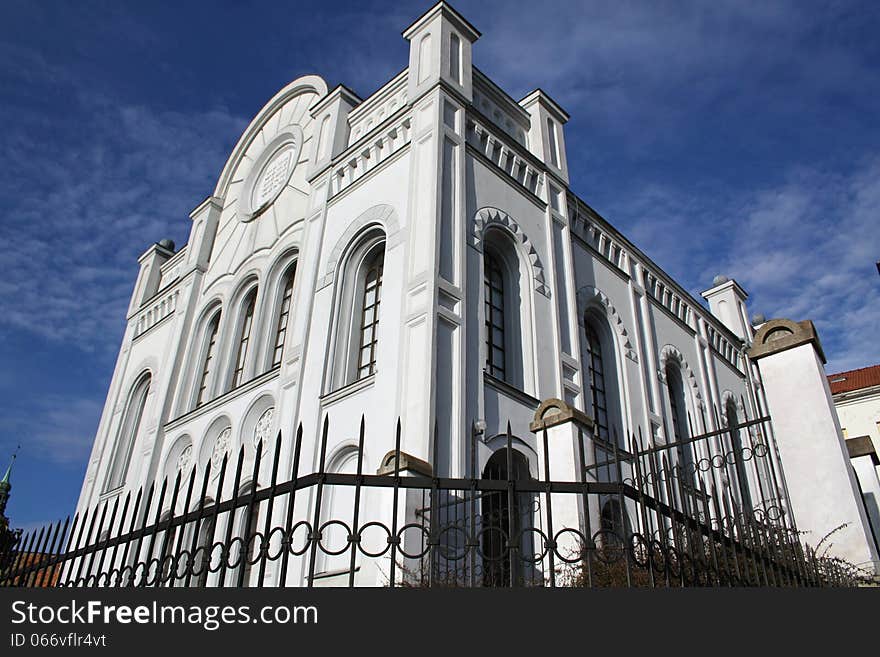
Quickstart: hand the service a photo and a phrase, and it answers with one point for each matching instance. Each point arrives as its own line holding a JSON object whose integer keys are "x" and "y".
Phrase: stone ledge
{"x": 407, "y": 463}
{"x": 862, "y": 446}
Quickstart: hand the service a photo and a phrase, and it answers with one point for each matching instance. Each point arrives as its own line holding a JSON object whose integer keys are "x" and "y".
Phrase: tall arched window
{"x": 680, "y": 424}
{"x": 369, "y": 314}
{"x": 503, "y": 308}
{"x": 600, "y": 398}
{"x": 128, "y": 432}
{"x": 356, "y": 342}
{"x": 493, "y": 294}
{"x": 283, "y": 315}
{"x": 207, "y": 361}
{"x": 244, "y": 338}
{"x": 736, "y": 446}
{"x": 595, "y": 370}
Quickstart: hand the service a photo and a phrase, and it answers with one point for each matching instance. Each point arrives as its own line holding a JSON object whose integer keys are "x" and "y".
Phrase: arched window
{"x": 614, "y": 521}
{"x": 166, "y": 567}
{"x": 503, "y": 308}
{"x": 680, "y": 423}
{"x": 505, "y": 546}
{"x": 244, "y": 339}
{"x": 736, "y": 446}
{"x": 369, "y": 314}
{"x": 337, "y": 504}
{"x": 207, "y": 361}
{"x": 128, "y": 433}
{"x": 202, "y": 549}
{"x": 356, "y": 343}
{"x": 250, "y": 542}
{"x": 594, "y": 363}
{"x": 493, "y": 293}
{"x": 283, "y": 315}
{"x": 600, "y": 397}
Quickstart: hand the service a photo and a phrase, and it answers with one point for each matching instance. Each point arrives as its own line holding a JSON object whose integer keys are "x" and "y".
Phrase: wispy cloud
{"x": 723, "y": 137}
{"x": 803, "y": 250}
{"x": 80, "y": 208}
{"x": 639, "y": 68}
{"x": 63, "y": 432}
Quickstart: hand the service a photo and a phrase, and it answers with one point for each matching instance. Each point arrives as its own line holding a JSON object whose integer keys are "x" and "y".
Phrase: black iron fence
{"x": 700, "y": 511}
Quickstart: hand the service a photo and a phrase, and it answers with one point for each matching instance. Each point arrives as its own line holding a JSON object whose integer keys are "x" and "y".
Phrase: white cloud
{"x": 803, "y": 250}
{"x": 78, "y": 214}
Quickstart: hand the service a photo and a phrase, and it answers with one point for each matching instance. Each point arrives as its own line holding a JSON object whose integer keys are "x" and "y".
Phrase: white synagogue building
{"x": 419, "y": 254}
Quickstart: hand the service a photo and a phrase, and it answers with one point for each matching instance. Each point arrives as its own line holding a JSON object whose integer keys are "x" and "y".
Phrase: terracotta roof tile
{"x": 865, "y": 377}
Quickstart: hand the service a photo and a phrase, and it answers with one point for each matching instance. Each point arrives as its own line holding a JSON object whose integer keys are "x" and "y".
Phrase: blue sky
{"x": 721, "y": 137}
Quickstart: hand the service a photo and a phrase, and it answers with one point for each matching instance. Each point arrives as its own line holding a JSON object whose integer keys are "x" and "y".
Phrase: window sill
{"x": 350, "y": 389}
{"x": 335, "y": 573}
{"x": 511, "y": 391}
{"x": 110, "y": 494}
{"x": 222, "y": 399}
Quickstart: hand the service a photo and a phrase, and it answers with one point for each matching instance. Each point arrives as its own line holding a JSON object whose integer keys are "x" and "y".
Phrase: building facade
{"x": 417, "y": 254}
{"x": 856, "y": 395}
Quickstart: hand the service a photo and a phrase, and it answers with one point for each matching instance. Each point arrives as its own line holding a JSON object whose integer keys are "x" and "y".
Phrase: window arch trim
{"x": 244, "y": 339}
{"x": 348, "y": 308}
{"x": 519, "y": 366}
{"x": 489, "y": 217}
{"x": 128, "y": 431}
{"x": 205, "y": 375}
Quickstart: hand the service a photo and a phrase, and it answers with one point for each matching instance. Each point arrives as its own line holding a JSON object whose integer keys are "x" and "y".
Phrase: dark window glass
{"x": 493, "y": 283}
{"x": 207, "y": 364}
{"x": 244, "y": 339}
{"x": 283, "y": 315}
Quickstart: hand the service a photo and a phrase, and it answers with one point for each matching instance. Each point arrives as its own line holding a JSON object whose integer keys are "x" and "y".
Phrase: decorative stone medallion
{"x": 264, "y": 426}
{"x": 271, "y": 172}
{"x": 274, "y": 177}
{"x": 221, "y": 446}
{"x": 184, "y": 459}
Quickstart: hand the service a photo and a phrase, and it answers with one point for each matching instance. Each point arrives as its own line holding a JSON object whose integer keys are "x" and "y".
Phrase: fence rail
{"x": 706, "y": 510}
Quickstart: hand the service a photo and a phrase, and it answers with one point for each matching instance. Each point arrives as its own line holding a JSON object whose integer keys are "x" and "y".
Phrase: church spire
{"x": 5, "y": 479}
{"x": 5, "y": 486}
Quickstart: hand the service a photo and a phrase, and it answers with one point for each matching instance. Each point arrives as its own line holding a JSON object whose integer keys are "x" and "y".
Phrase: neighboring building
{"x": 857, "y": 400}
{"x": 856, "y": 396}
{"x": 418, "y": 254}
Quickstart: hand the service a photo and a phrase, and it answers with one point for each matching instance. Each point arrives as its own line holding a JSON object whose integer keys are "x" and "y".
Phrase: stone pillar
{"x": 546, "y": 138}
{"x": 150, "y": 273}
{"x": 431, "y": 381}
{"x": 864, "y": 462}
{"x": 565, "y": 427}
{"x": 821, "y": 483}
{"x": 413, "y": 506}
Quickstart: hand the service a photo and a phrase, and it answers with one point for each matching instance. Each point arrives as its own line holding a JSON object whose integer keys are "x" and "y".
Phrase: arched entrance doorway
{"x": 504, "y": 517}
